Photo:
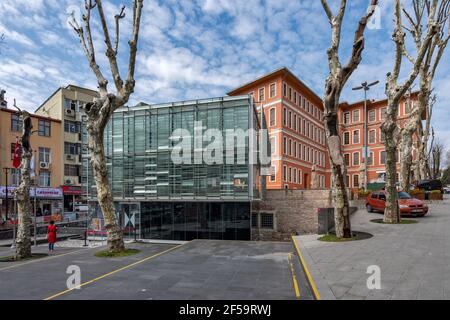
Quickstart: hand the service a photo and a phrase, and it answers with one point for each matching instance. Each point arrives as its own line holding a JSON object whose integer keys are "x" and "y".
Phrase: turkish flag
{"x": 17, "y": 160}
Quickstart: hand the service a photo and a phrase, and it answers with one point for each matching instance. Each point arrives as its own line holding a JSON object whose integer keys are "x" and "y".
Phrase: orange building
{"x": 47, "y": 159}
{"x": 351, "y": 120}
{"x": 294, "y": 118}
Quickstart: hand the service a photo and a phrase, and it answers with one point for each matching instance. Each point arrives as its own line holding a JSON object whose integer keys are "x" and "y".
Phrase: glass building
{"x": 160, "y": 198}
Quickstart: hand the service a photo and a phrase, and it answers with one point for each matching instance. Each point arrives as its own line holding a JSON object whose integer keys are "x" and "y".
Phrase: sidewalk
{"x": 414, "y": 259}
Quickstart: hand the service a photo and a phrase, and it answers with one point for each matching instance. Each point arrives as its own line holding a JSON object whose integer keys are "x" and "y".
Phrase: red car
{"x": 376, "y": 201}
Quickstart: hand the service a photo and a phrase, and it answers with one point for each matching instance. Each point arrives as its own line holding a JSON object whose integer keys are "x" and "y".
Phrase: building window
{"x": 295, "y": 175}
{"x": 346, "y": 137}
{"x": 347, "y": 181}
{"x": 356, "y": 159}
{"x": 347, "y": 159}
{"x": 304, "y": 127}
{"x": 356, "y": 116}
{"x": 295, "y": 149}
{"x": 383, "y": 113}
{"x": 262, "y": 94}
{"x": 290, "y": 94}
{"x": 16, "y": 124}
{"x": 370, "y": 159}
{"x": 300, "y": 176}
{"x": 346, "y": 117}
{"x": 284, "y": 145}
{"x": 72, "y": 127}
{"x": 44, "y": 128}
{"x": 71, "y": 170}
{"x": 273, "y": 174}
{"x": 284, "y": 117}
{"x": 284, "y": 89}
{"x": 290, "y": 119}
{"x": 295, "y": 122}
{"x": 356, "y": 181}
{"x": 44, "y": 179}
{"x": 15, "y": 177}
{"x": 382, "y": 136}
{"x": 272, "y": 117}
{"x": 356, "y": 137}
{"x": 290, "y": 147}
{"x": 44, "y": 155}
{"x": 303, "y": 102}
{"x": 284, "y": 173}
{"x": 72, "y": 105}
{"x": 383, "y": 157}
{"x": 290, "y": 174}
{"x": 372, "y": 136}
{"x": 267, "y": 221}
{"x": 273, "y": 146}
{"x": 273, "y": 90}
{"x": 295, "y": 97}
{"x": 372, "y": 116}
{"x": 72, "y": 148}
{"x": 254, "y": 220}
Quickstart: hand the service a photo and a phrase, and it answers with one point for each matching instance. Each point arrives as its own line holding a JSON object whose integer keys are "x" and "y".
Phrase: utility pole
{"x": 366, "y": 87}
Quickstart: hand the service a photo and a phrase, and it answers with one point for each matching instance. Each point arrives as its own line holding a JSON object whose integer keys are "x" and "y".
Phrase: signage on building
{"x": 72, "y": 190}
{"x": 41, "y": 193}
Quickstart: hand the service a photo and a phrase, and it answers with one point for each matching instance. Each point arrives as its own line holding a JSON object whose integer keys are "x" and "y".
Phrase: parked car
{"x": 447, "y": 190}
{"x": 429, "y": 185}
{"x": 409, "y": 206}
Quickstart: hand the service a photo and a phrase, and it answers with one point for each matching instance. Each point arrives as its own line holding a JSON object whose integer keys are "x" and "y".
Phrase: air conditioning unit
{"x": 44, "y": 165}
{"x": 70, "y": 157}
{"x": 70, "y": 112}
{"x": 69, "y": 182}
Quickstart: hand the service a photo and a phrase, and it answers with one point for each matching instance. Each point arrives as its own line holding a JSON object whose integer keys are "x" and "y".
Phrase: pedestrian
{"x": 51, "y": 235}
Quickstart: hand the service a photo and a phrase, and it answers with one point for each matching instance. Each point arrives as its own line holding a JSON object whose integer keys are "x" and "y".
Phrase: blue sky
{"x": 193, "y": 49}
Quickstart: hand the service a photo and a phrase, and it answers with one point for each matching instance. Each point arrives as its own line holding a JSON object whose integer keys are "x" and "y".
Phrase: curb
{"x": 317, "y": 282}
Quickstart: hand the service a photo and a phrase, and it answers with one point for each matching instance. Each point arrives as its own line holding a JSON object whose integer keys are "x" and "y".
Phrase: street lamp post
{"x": 366, "y": 87}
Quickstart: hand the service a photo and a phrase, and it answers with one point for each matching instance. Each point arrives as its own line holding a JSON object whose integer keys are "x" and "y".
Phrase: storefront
{"x": 72, "y": 197}
{"x": 49, "y": 202}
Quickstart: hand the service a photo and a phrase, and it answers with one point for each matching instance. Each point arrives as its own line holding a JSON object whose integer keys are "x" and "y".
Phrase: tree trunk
{"x": 338, "y": 169}
{"x": 389, "y": 127}
{"x": 104, "y": 194}
{"x": 406, "y": 159}
{"x": 22, "y": 193}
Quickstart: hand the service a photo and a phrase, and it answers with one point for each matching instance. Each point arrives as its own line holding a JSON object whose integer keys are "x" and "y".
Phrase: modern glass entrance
{"x": 195, "y": 220}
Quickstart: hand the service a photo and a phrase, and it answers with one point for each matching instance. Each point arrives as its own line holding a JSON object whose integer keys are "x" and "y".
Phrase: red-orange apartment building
{"x": 294, "y": 118}
{"x": 351, "y": 121}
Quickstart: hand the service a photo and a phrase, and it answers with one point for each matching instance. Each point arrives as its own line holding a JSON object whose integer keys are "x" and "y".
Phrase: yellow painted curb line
{"x": 294, "y": 277}
{"x": 113, "y": 272}
{"x": 308, "y": 274}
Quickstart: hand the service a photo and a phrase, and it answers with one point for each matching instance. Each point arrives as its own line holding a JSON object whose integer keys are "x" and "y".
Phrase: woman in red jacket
{"x": 51, "y": 235}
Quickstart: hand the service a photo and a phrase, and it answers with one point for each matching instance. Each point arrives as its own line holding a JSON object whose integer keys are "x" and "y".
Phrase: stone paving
{"x": 414, "y": 259}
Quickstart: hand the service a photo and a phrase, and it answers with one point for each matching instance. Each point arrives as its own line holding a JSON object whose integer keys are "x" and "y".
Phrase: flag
{"x": 17, "y": 160}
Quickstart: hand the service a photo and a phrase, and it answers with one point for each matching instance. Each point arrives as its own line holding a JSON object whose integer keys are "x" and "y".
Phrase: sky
{"x": 193, "y": 49}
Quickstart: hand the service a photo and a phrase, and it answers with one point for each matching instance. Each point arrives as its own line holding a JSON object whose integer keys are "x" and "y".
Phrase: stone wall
{"x": 295, "y": 212}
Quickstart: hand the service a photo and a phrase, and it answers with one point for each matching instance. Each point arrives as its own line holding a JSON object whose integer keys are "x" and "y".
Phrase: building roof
{"x": 281, "y": 71}
{"x": 31, "y": 114}
{"x": 68, "y": 87}
{"x": 345, "y": 104}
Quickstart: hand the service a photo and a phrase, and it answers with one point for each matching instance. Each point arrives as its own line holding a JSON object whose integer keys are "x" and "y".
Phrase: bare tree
{"x": 427, "y": 72}
{"x": 425, "y": 139}
{"x": 22, "y": 192}
{"x": 436, "y": 159}
{"x": 334, "y": 85}
{"x": 100, "y": 111}
{"x": 395, "y": 93}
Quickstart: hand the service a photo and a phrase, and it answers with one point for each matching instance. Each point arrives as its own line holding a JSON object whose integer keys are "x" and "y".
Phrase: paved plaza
{"x": 414, "y": 259}
{"x": 195, "y": 270}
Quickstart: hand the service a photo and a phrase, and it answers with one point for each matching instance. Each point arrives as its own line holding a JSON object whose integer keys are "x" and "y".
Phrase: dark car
{"x": 429, "y": 185}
